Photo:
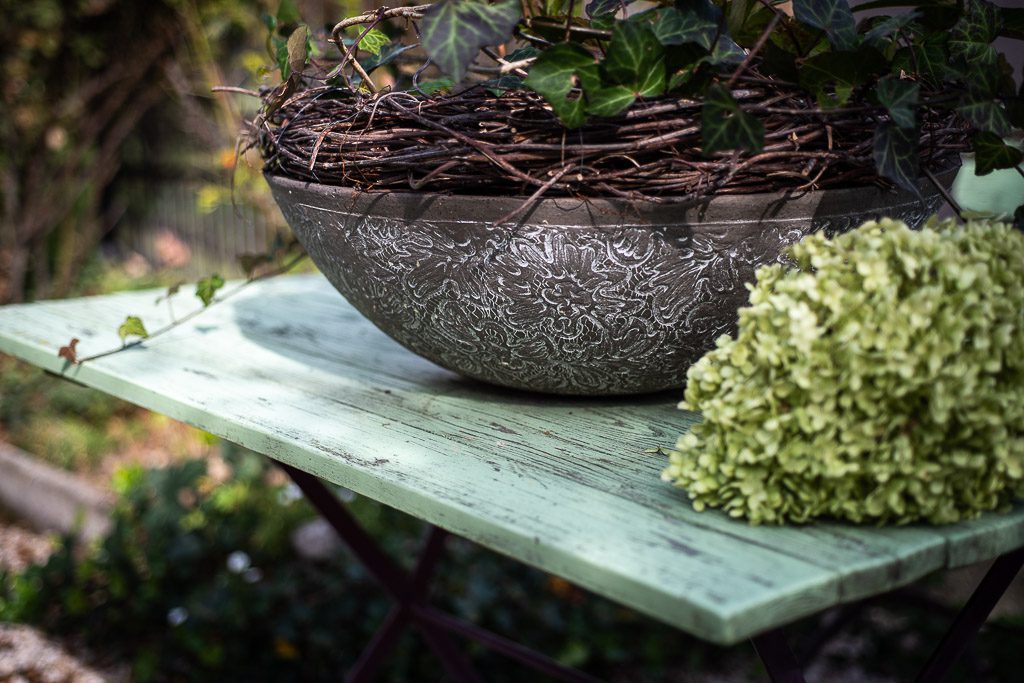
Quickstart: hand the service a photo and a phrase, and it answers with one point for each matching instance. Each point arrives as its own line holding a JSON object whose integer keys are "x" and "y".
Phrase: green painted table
{"x": 289, "y": 369}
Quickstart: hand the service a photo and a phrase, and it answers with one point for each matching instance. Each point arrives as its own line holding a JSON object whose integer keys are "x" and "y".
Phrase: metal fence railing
{"x": 175, "y": 232}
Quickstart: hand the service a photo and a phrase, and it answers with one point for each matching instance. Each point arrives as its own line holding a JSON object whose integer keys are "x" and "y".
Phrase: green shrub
{"x": 882, "y": 380}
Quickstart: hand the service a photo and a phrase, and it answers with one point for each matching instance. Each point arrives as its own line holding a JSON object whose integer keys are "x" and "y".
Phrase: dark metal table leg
{"x": 404, "y": 589}
{"x": 384, "y": 641}
{"x": 778, "y": 659}
{"x": 970, "y": 620}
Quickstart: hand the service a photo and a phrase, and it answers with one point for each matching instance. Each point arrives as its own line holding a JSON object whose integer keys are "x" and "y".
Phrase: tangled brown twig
{"x": 476, "y": 142}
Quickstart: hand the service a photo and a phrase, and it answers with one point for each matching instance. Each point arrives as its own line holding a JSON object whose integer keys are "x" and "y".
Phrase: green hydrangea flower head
{"x": 880, "y": 380}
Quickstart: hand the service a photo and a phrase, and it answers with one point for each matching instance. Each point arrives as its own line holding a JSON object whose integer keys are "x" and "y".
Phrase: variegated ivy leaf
{"x": 132, "y": 327}
{"x": 678, "y": 27}
{"x": 374, "y": 41}
{"x": 635, "y": 59}
{"x": 972, "y": 36}
{"x": 984, "y": 114}
{"x": 980, "y": 23}
{"x": 610, "y": 101}
{"x": 453, "y": 31}
{"x": 600, "y": 8}
{"x": 727, "y": 52}
{"x": 991, "y": 153}
{"x": 725, "y": 126}
{"x": 834, "y": 17}
{"x": 557, "y": 71}
{"x": 900, "y": 99}
{"x": 895, "y": 153}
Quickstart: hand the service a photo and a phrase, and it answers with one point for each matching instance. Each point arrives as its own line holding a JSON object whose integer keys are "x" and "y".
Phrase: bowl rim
{"x": 780, "y": 206}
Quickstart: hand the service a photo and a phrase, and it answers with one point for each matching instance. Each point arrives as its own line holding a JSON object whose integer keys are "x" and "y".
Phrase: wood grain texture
{"x": 289, "y": 369}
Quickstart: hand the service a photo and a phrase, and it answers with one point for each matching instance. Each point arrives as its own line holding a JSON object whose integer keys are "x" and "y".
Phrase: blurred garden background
{"x": 184, "y": 557}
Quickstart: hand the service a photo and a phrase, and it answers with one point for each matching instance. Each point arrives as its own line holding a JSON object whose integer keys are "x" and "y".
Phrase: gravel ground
{"x": 26, "y": 655}
{"x": 20, "y": 547}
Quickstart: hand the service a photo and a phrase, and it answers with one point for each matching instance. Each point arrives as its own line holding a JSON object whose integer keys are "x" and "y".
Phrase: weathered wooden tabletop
{"x": 289, "y": 369}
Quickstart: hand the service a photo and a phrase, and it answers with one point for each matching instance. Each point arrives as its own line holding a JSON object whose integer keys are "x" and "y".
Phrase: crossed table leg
{"x": 783, "y": 667}
{"x": 411, "y": 609}
{"x": 410, "y": 594}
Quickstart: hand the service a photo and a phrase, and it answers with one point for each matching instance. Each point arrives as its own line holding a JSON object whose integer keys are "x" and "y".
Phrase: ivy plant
{"x": 595, "y": 59}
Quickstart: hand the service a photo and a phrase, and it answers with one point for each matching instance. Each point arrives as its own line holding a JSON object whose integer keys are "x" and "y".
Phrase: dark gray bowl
{"x": 595, "y": 298}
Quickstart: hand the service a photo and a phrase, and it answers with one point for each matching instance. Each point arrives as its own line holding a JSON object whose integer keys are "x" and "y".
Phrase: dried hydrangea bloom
{"x": 882, "y": 380}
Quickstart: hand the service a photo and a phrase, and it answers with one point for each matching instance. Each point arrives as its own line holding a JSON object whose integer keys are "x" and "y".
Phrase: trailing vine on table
{"x": 281, "y": 259}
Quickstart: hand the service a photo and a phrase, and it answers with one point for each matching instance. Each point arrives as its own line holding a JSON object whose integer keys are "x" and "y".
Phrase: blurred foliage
{"x": 64, "y": 423}
{"x": 197, "y": 580}
{"x": 92, "y": 88}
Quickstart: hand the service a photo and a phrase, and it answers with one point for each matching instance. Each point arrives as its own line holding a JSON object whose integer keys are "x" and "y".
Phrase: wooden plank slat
{"x": 289, "y": 369}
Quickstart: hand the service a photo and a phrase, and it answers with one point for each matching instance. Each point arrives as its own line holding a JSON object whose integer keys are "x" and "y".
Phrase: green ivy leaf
{"x": 436, "y": 85}
{"x": 600, "y": 8}
{"x": 841, "y": 71}
{"x": 834, "y": 17}
{"x": 554, "y": 75}
{"x": 287, "y": 13}
{"x": 498, "y": 86}
{"x": 896, "y": 158}
{"x": 726, "y": 51}
{"x": 374, "y": 41}
{"x": 453, "y": 31}
{"x": 610, "y": 101}
{"x": 888, "y": 26}
{"x": 900, "y": 99}
{"x": 725, "y": 126}
{"x": 280, "y": 51}
{"x": 636, "y": 59}
{"x": 929, "y": 57}
{"x": 132, "y": 327}
{"x": 207, "y": 287}
{"x": 980, "y": 23}
{"x": 528, "y": 52}
{"x": 984, "y": 114}
{"x": 674, "y": 27}
{"x": 385, "y": 56}
{"x": 270, "y": 21}
{"x": 992, "y": 153}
